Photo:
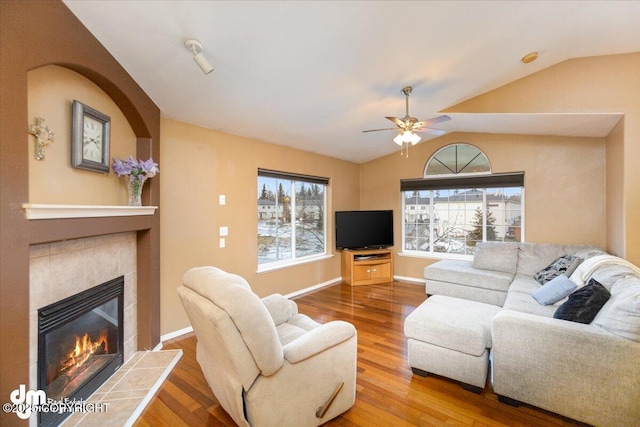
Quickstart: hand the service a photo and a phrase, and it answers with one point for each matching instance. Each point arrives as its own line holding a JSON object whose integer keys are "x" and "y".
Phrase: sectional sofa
{"x": 584, "y": 363}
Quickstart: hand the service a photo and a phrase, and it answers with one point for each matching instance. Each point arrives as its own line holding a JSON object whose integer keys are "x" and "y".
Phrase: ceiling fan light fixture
{"x": 406, "y": 125}
{"x": 408, "y": 137}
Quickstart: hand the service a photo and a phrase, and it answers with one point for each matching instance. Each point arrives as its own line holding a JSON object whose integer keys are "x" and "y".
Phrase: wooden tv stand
{"x": 367, "y": 267}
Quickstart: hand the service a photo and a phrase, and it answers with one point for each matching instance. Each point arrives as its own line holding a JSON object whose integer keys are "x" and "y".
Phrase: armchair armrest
{"x": 280, "y": 308}
{"x": 317, "y": 340}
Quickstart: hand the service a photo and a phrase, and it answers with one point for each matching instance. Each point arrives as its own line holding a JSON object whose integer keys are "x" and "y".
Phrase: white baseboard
{"x": 174, "y": 334}
{"x": 314, "y": 287}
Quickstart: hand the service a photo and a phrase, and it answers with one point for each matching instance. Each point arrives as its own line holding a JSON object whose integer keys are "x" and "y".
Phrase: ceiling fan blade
{"x": 432, "y": 131}
{"x": 433, "y": 121}
{"x": 376, "y": 130}
{"x": 397, "y": 121}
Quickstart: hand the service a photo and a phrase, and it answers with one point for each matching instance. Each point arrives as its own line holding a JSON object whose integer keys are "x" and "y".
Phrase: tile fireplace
{"x": 61, "y": 272}
{"x": 80, "y": 344}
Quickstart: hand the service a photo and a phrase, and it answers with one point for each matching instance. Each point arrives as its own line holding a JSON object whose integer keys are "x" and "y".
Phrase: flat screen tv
{"x": 364, "y": 229}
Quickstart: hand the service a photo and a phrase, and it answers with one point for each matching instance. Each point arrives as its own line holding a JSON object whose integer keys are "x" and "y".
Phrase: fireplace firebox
{"x": 80, "y": 344}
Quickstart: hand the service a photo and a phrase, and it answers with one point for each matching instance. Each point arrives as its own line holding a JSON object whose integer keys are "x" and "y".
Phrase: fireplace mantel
{"x": 47, "y": 211}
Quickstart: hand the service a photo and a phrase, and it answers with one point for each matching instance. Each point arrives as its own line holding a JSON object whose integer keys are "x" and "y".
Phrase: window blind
{"x": 293, "y": 176}
{"x": 514, "y": 179}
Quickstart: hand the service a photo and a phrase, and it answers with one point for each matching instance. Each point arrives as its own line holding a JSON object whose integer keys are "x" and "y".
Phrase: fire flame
{"x": 83, "y": 350}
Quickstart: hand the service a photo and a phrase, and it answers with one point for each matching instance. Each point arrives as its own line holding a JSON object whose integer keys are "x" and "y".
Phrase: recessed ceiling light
{"x": 529, "y": 57}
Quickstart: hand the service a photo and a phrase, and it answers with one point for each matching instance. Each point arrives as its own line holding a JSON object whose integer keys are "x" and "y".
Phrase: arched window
{"x": 457, "y": 159}
{"x": 459, "y": 202}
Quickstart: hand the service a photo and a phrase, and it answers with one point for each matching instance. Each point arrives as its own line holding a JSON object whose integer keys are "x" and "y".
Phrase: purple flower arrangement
{"x": 136, "y": 170}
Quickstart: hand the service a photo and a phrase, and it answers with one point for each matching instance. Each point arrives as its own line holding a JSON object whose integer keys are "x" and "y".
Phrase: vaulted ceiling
{"x": 314, "y": 74}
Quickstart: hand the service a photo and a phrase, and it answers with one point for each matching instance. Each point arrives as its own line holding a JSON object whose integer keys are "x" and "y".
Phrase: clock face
{"x": 92, "y": 139}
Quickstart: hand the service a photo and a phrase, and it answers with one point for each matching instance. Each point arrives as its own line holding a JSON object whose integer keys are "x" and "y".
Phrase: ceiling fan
{"x": 407, "y": 125}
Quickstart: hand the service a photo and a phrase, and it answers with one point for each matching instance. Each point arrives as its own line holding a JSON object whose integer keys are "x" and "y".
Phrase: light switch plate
{"x": 222, "y": 199}
{"x": 222, "y": 242}
{"x": 224, "y": 231}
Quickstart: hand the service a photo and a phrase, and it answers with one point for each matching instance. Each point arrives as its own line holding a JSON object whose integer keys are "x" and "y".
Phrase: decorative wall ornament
{"x": 44, "y": 137}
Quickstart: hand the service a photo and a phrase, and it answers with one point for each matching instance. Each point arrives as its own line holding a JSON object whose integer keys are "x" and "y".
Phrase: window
{"x": 457, "y": 159}
{"x": 460, "y": 203}
{"x": 291, "y": 218}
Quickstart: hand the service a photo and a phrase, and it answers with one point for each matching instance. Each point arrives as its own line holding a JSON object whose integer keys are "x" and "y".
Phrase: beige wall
{"x": 615, "y": 183}
{"x": 564, "y": 196}
{"x": 200, "y": 164}
{"x": 595, "y": 84}
{"x": 51, "y": 91}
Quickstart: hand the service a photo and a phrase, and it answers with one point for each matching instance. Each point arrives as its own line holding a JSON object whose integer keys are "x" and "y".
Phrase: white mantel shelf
{"x": 43, "y": 211}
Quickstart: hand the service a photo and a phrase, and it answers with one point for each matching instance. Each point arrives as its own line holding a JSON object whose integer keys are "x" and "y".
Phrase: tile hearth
{"x": 129, "y": 390}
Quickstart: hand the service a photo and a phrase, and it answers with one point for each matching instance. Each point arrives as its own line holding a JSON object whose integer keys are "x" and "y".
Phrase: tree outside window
{"x": 455, "y": 220}
{"x": 291, "y": 218}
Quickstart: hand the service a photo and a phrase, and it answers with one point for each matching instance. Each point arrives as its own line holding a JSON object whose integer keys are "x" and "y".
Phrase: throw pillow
{"x": 496, "y": 256}
{"x": 554, "y": 290}
{"x": 584, "y": 304}
{"x": 566, "y": 265}
{"x": 621, "y": 314}
{"x": 572, "y": 267}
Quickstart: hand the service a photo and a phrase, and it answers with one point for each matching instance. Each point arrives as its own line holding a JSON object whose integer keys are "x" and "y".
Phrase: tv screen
{"x": 364, "y": 229}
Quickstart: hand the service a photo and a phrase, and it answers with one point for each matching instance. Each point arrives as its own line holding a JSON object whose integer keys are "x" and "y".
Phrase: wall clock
{"x": 89, "y": 138}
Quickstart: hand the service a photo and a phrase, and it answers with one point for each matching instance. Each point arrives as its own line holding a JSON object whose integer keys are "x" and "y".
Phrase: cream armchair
{"x": 267, "y": 364}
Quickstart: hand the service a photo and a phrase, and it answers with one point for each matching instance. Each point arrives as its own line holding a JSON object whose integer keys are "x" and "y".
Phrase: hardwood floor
{"x": 388, "y": 394}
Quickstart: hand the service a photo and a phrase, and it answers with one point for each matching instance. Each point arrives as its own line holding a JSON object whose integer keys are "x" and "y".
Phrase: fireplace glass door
{"x": 80, "y": 342}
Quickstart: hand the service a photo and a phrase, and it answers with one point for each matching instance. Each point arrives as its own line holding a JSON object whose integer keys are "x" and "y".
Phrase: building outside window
{"x": 291, "y": 218}
{"x": 459, "y": 203}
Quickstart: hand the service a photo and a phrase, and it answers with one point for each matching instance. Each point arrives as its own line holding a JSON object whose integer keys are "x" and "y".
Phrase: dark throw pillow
{"x": 566, "y": 265}
{"x": 584, "y": 304}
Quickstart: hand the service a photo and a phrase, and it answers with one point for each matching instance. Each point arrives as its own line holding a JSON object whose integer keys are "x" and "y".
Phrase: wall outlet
{"x": 222, "y": 199}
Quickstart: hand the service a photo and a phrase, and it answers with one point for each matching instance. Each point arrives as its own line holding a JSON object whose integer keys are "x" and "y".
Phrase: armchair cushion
{"x": 280, "y": 308}
{"x": 297, "y": 326}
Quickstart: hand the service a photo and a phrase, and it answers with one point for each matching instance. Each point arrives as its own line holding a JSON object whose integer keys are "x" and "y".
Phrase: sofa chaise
{"x": 494, "y": 312}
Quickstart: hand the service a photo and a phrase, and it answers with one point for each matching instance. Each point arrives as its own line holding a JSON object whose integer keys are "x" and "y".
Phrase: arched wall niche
{"x": 122, "y": 100}
{"x": 51, "y": 92}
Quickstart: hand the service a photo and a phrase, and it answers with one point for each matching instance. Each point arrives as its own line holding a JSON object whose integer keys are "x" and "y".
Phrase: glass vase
{"x": 134, "y": 188}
